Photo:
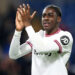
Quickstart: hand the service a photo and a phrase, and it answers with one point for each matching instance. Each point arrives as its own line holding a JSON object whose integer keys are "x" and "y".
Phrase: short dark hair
{"x": 56, "y": 8}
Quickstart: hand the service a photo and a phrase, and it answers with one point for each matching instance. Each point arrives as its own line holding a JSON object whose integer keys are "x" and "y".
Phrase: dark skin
{"x": 23, "y": 17}
{"x": 50, "y": 20}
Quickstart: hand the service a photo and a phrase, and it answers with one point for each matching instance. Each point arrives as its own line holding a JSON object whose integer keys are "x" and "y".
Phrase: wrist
{"x": 18, "y": 29}
{"x": 27, "y": 24}
{"x": 17, "y": 33}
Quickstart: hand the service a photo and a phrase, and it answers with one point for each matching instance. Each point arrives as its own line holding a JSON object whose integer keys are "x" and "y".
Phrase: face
{"x": 49, "y": 19}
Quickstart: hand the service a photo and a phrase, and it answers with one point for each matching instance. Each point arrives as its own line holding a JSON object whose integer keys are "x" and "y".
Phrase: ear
{"x": 58, "y": 19}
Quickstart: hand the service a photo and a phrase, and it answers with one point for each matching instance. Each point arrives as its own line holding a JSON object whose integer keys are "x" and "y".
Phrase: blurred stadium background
{"x": 8, "y": 8}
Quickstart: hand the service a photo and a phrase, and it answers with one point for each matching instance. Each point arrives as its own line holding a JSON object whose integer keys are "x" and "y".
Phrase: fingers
{"x": 33, "y": 14}
{"x": 24, "y": 6}
{"x": 28, "y": 8}
{"x": 24, "y": 10}
{"x": 18, "y": 16}
{"x": 20, "y": 10}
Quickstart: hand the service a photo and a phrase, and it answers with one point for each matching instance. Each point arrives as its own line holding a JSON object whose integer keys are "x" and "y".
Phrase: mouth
{"x": 46, "y": 24}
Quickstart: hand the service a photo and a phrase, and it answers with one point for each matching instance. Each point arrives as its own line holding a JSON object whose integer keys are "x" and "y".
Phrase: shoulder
{"x": 64, "y": 40}
{"x": 65, "y": 37}
{"x": 66, "y": 34}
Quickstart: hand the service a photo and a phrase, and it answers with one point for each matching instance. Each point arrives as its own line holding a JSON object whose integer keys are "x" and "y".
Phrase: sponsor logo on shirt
{"x": 36, "y": 53}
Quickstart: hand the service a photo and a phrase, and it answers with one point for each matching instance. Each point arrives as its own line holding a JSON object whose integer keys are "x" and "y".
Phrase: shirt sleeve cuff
{"x": 17, "y": 33}
{"x": 30, "y": 31}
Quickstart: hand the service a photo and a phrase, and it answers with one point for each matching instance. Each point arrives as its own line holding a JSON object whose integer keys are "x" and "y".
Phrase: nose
{"x": 46, "y": 17}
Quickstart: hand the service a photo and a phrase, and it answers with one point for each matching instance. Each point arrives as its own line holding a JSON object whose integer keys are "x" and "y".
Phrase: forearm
{"x": 41, "y": 45}
{"x": 15, "y": 45}
{"x": 17, "y": 50}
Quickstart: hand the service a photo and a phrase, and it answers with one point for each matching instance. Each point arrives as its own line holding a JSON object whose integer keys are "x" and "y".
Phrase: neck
{"x": 53, "y": 30}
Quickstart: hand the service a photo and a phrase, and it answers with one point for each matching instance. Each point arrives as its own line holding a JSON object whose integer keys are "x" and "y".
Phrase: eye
{"x": 43, "y": 15}
{"x": 50, "y": 14}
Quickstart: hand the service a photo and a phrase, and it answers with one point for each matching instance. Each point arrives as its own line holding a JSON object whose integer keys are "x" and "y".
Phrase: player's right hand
{"x": 18, "y": 21}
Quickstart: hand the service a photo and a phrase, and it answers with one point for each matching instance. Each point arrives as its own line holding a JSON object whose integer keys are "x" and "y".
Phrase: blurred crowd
{"x": 22, "y": 66}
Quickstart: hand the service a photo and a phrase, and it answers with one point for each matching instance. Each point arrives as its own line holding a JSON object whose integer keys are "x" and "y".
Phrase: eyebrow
{"x": 48, "y": 13}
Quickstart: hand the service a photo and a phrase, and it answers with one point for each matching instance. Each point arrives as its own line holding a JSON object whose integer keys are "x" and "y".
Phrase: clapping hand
{"x": 23, "y": 17}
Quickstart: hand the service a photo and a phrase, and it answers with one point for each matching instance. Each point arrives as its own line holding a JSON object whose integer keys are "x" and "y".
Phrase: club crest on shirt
{"x": 64, "y": 40}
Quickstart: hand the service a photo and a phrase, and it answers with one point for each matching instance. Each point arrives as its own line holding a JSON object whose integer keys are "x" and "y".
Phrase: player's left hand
{"x": 25, "y": 14}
